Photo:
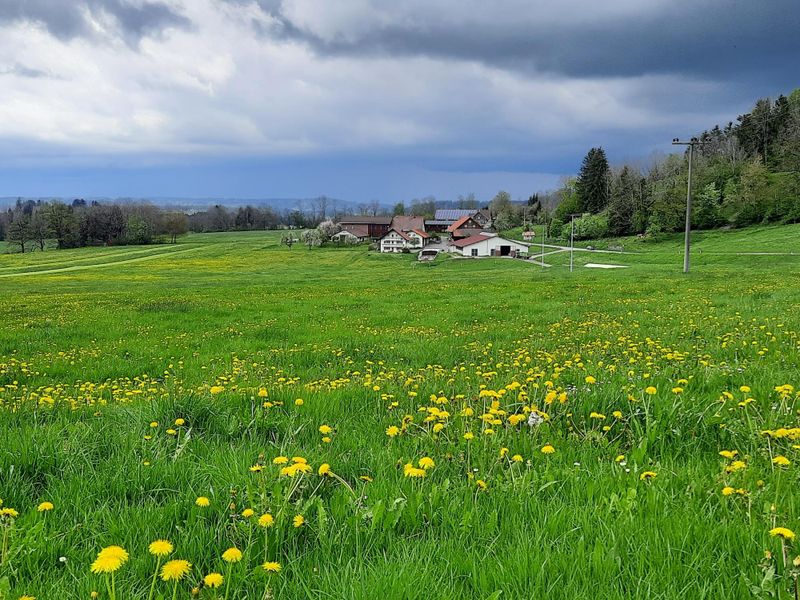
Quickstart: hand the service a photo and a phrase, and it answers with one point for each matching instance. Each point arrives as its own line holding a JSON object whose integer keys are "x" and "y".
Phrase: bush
{"x": 587, "y": 227}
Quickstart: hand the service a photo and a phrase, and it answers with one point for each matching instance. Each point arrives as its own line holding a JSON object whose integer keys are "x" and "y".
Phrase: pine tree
{"x": 593, "y": 182}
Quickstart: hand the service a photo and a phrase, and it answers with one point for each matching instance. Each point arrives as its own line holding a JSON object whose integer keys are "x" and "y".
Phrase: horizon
{"x": 359, "y": 101}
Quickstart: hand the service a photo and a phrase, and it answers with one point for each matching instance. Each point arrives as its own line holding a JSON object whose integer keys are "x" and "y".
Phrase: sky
{"x": 367, "y": 99}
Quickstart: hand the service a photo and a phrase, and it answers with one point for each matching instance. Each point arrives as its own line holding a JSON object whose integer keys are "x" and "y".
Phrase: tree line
{"x": 745, "y": 173}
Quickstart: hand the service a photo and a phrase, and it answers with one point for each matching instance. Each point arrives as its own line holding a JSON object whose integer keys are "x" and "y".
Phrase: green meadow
{"x": 457, "y": 429}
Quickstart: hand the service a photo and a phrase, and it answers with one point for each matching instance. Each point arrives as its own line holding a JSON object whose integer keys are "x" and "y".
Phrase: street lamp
{"x": 691, "y": 143}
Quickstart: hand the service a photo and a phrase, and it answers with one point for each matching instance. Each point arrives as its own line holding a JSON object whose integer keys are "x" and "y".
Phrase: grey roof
{"x": 365, "y": 219}
{"x": 453, "y": 214}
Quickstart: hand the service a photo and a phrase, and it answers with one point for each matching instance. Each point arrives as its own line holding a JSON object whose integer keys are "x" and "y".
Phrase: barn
{"x": 487, "y": 245}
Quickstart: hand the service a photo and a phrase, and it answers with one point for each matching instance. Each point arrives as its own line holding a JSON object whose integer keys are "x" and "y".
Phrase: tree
{"x": 706, "y": 214}
{"x": 593, "y": 182}
{"x": 327, "y": 229}
{"x": 19, "y": 232}
{"x": 175, "y": 224}
{"x": 622, "y": 205}
{"x": 399, "y": 208}
{"x": 61, "y": 224}
{"x": 38, "y": 229}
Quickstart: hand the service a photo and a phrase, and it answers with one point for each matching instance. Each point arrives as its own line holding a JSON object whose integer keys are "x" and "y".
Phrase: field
{"x": 459, "y": 429}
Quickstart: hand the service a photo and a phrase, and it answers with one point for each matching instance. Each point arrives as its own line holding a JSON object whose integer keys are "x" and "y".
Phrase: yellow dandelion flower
{"x": 590, "y": 380}
{"x": 45, "y": 506}
{"x": 469, "y": 436}
{"x": 324, "y": 469}
{"x": 298, "y": 402}
{"x": 160, "y": 548}
{"x": 481, "y": 485}
{"x": 781, "y": 461}
{"x": 325, "y": 429}
{"x": 216, "y": 389}
{"x": 272, "y": 567}
{"x": 729, "y": 454}
{"x": 517, "y": 458}
{"x": 392, "y": 431}
{"x": 202, "y": 501}
{"x": 175, "y": 570}
{"x": 298, "y": 521}
{"x": 180, "y": 422}
{"x": 783, "y": 533}
{"x": 651, "y": 390}
{"x": 728, "y": 490}
{"x": 648, "y": 475}
{"x": 232, "y": 555}
{"x": 266, "y": 520}
{"x": 109, "y": 559}
{"x": 280, "y": 460}
{"x": 213, "y": 580}
{"x": 426, "y": 462}
{"x": 248, "y": 512}
{"x": 548, "y": 449}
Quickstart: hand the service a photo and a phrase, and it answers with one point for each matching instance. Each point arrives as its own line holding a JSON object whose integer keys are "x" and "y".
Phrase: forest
{"x": 745, "y": 173}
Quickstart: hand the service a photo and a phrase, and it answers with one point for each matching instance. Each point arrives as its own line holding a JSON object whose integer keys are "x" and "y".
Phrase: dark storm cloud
{"x": 718, "y": 38}
{"x": 67, "y": 19}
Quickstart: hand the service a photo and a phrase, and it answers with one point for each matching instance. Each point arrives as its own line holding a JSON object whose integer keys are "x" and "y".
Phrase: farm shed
{"x": 488, "y": 245}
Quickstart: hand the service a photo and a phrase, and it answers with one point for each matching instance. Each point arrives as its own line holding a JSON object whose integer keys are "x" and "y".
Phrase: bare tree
{"x": 19, "y": 232}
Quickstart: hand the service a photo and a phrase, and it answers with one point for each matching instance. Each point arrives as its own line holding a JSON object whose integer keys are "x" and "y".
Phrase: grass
{"x": 90, "y": 357}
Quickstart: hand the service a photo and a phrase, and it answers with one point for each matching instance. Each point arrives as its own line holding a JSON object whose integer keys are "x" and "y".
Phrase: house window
{"x": 474, "y": 252}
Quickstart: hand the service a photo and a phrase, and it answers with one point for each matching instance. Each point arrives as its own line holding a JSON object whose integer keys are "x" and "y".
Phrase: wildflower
{"x": 548, "y": 449}
{"x": 729, "y": 454}
{"x": 171, "y": 432}
{"x": 180, "y": 422}
{"x": 175, "y": 570}
{"x": 266, "y": 520}
{"x": 298, "y": 521}
{"x": 438, "y": 427}
{"x": 648, "y": 475}
{"x": 392, "y": 431}
{"x": 213, "y": 580}
{"x": 781, "y": 461}
{"x": 590, "y": 380}
{"x": 482, "y": 486}
{"x": 651, "y": 390}
{"x": 298, "y": 402}
{"x": 728, "y": 490}
{"x": 262, "y": 392}
{"x": 426, "y": 462}
{"x": 27, "y": 598}
{"x": 216, "y": 389}
{"x": 324, "y": 469}
{"x": 202, "y": 501}
{"x": 326, "y": 440}
{"x": 745, "y": 389}
{"x": 280, "y": 460}
{"x": 736, "y": 465}
{"x": 517, "y": 458}
{"x": 596, "y": 415}
{"x": 109, "y": 559}
{"x": 619, "y": 458}
{"x": 783, "y": 533}
{"x": 410, "y": 471}
{"x": 256, "y": 469}
{"x": 154, "y": 424}
{"x": 160, "y": 548}
{"x": 45, "y": 506}
{"x": 469, "y": 435}
{"x": 325, "y": 429}
{"x": 272, "y": 567}
{"x": 677, "y": 390}
{"x": 232, "y": 555}
{"x": 617, "y": 414}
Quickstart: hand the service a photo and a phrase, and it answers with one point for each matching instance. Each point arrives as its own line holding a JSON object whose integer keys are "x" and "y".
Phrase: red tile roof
{"x": 400, "y": 233}
{"x": 421, "y": 233}
{"x": 473, "y": 239}
{"x": 458, "y": 223}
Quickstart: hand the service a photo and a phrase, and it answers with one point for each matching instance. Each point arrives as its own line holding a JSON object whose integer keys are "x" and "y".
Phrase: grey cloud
{"x": 67, "y": 19}
{"x": 21, "y": 70}
{"x": 715, "y": 38}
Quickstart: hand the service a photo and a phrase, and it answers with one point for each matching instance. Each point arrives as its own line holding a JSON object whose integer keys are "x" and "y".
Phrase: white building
{"x": 488, "y": 245}
{"x": 397, "y": 241}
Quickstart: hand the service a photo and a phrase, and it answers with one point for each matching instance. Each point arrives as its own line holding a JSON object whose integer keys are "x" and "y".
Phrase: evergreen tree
{"x": 622, "y": 204}
{"x": 593, "y": 182}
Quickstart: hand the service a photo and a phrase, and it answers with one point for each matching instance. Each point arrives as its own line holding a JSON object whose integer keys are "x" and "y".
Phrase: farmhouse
{"x": 484, "y": 244}
{"x": 444, "y": 218}
{"x": 465, "y": 227}
{"x": 365, "y": 228}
